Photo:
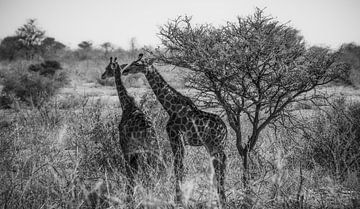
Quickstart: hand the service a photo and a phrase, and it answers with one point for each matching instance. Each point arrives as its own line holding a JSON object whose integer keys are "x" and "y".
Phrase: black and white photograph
{"x": 192, "y": 104}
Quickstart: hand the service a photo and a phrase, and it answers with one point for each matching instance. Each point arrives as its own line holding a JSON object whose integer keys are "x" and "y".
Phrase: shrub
{"x": 35, "y": 86}
{"x": 334, "y": 139}
{"x": 97, "y": 138}
{"x": 5, "y": 102}
{"x": 47, "y": 68}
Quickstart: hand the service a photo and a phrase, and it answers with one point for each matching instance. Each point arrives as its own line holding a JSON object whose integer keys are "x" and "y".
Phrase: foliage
{"x": 252, "y": 69}
{"x": 97, "y": 138}
{"x": 46, "y": 68}
{"x": 133, "y": 49}
{"x": 38, "y": 170}
{"x": 85, "y": 49}
{"x": 350, "y": 53}
{"x": 5, "y": 101}
{"x": 108, "y": 48}
{"x": 29, "y": 42}
{"x": 10, "y": 48}
{"x": 50, "y": 47}
{"x": 85, "y": 45}
{"x": 34, "y": 88}
{"x": 30, "y": 37}
{"x": 66, "y": 156}
{"x": 333, "y": 141}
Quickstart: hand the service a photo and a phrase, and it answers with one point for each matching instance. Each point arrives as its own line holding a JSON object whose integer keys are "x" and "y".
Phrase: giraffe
{"x": 136, "y": 132}
{"x": 187, "y": 125}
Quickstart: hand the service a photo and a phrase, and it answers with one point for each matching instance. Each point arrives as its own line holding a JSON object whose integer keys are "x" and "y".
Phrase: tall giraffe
{"x": 187, "y": 125}
{"x": 137, "y": 137}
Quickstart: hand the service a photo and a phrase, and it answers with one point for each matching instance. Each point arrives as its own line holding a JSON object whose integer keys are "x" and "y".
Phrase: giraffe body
{"x": 137, "y": 138}
{"x": 187, "y": 125}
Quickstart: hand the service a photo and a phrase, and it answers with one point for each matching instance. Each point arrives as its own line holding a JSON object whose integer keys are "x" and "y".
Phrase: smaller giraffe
{"x": 137, "y": 137}
{"x": 187, "y": 125}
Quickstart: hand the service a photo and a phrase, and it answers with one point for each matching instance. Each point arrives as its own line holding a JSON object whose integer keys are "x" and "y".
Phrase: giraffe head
{"x": 111, "y": 67}
{"x": 138, "y": 66}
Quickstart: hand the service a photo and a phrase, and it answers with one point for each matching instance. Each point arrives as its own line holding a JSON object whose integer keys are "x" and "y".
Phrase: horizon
{"x": 325, "y": 23}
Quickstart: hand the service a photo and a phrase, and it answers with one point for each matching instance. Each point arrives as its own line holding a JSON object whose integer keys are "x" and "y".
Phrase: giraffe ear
{"x": 140, "y": 56}
{"x": 151, "y": 61}
{"x": 115, "y": 59}
{"x": 110, "y": 59}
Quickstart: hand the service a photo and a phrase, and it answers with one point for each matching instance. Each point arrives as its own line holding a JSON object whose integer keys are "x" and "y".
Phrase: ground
{"x": 57, "y": 157}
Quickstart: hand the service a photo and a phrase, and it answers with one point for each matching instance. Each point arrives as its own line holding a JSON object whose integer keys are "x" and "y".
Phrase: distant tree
{"x": 350, "y": 53}
{"x": 108, "y": 47}
{"x": 133, "y": 48}
{"x": 28, "y": 42}
{"x": 49, "y": 47}
{"x": 85, "y": 45}
{"x": 30, "y": 37}
{"x": 83, "y": 52}
{"x": 253, "y": 70}
{"x": 85, "y": 48}
{"x": 10, "y": 48}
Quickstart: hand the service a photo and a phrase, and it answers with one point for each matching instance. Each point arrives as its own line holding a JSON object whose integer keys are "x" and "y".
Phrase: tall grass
{"x": 65, "y": 155}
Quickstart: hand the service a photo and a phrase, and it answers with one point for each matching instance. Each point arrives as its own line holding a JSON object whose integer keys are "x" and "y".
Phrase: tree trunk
{"x": 244, "y": 156}
{"x": 245, "y": 162}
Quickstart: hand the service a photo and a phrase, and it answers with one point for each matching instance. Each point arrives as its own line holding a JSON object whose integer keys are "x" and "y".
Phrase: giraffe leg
{"x": 178, "y": 151}
{"x": 131, "y": 170}
{"x": 219, "y": 163}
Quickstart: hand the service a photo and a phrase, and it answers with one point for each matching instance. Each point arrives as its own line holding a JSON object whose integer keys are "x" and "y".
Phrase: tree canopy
{"x": 350, "y": 53}
{"x": 251, "y": 69}
{"x": 85, "y": 45}
{"x": 28, "y": 42}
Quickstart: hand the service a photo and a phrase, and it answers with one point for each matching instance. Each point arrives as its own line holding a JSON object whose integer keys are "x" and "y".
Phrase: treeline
{"x": 350, "y": 53}
{"x": 31, "y": 43}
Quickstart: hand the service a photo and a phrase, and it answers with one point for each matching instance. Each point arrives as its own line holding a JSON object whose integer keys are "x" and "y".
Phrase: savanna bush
{"x": 48, "y": 67}
{"x": 35, "y": 84}
{"x": 333, "y": 141}
{"x": 96, "y": 135}
{"x": 29, "y": 159}
{"x": 51, "y": 157}
{"x": 5, "y": 101}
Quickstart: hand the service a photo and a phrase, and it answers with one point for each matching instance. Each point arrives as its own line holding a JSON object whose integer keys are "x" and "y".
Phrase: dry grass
{"x": 65, "y": 156}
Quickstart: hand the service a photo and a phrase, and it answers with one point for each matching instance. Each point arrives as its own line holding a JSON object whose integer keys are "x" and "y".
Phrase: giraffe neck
{"x": 172, "y": 100}
{"x": 126, "y": 101}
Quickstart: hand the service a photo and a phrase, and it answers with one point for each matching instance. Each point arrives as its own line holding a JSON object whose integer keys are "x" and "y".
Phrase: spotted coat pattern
{"x": 137, "y": 138}
{"x": 187, "y": 125}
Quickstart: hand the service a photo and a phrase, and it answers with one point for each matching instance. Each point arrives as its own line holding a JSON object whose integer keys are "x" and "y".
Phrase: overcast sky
{"x": 321, "y": 22}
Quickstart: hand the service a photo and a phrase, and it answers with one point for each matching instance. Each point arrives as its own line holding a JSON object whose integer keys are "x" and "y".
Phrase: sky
{"x": 321, "y": 22}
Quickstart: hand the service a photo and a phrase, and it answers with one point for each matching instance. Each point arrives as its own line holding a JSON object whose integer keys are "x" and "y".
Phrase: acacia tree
{"x": 350, "y": 53}
{"x": 50, "y": 47}
{"x": 10, "y": 48}
{"x": 85, "y": 48}
{"x": 30, "y": 36}
{"x": 252, "y": 69}
{"x": 108, "y": 48}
